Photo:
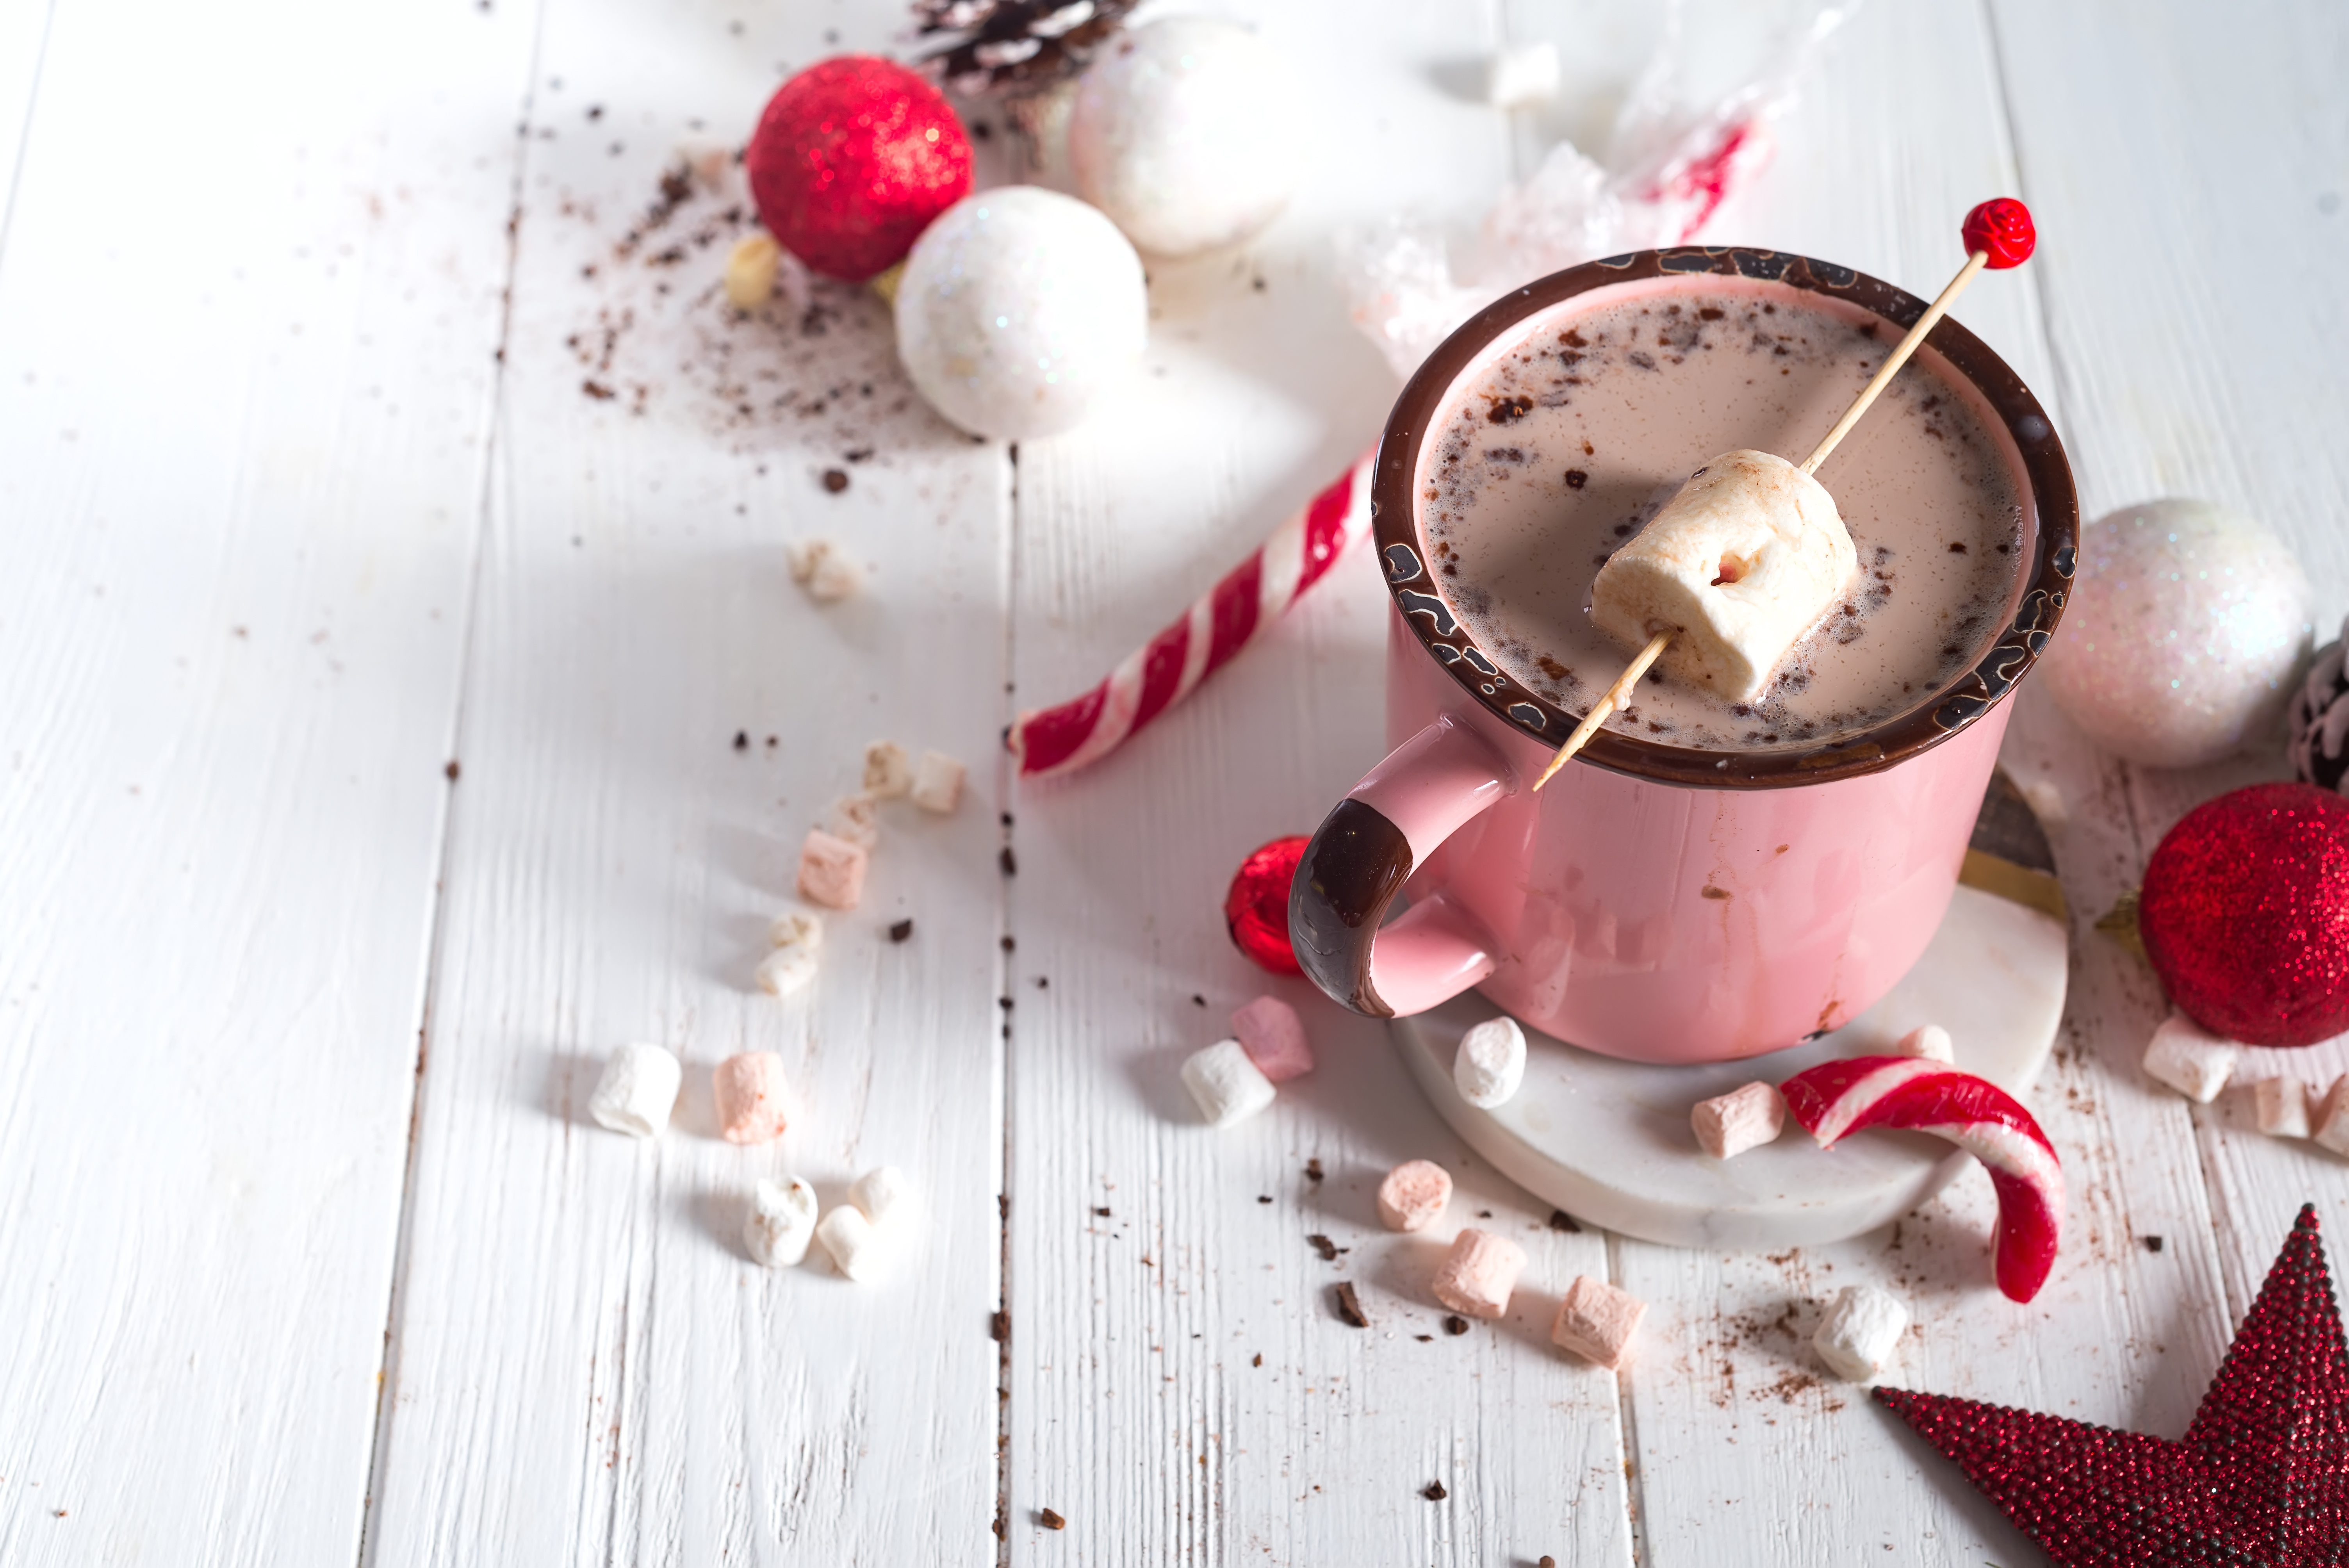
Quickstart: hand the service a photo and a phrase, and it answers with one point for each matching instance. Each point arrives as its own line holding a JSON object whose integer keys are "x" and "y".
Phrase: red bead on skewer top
{"x": 2002, "y": 228}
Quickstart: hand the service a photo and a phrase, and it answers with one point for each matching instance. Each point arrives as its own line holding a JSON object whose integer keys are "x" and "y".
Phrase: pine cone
{"x": 2320, "y": 719}
{"x": 1016, "y": 45}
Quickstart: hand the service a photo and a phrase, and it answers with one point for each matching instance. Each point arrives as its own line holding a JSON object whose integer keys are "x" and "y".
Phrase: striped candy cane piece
{"x": 1219, "y": 623}
{"x": 1840, "y": 1097}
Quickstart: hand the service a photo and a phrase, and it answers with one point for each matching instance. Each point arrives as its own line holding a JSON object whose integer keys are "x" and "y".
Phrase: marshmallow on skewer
{"x": 1737, "y": 567}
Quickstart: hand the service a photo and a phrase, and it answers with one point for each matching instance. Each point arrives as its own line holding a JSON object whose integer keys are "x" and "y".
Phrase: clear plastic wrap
{"x": 1689, "y": 134}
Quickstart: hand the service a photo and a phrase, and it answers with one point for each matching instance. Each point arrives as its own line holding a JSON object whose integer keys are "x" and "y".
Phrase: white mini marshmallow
{"x": 2330, "y": 1111}
{"x": 636, "y": 1091}
{"x": 2281, "y": 1106}
{"x": 886, "y": 1196}
{"x": 824, "y": 569}
{"x": 1522, "y": 74}
{"x": 797, "y": 928}
{"x": 854, "y": 820}
{"x": 787, "y": 971}
{"x": 1929, "y": 1041}
{"x": 1227, "y": 1083}
{"x": 1491, "y": 1063}
{"x": 780, "y": 1223}
{"x": 889, "y": 771}
{"x": 752, "y": 267}
{"x": 938, "y": 783}
{"x": 2193, "y": 1062}
{"x": 1728, "y": 1125}
{"x": 1861, "y": 1330}
{"x": 1738, "y": 566}
{"x": 857, "y": 1250}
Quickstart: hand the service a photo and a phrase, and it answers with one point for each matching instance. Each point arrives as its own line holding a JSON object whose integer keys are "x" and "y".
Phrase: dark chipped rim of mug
{"x": 2047, "y": 582}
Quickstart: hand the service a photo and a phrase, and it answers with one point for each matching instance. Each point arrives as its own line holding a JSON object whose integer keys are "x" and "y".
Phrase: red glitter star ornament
{"x": 2262, "y": 1480}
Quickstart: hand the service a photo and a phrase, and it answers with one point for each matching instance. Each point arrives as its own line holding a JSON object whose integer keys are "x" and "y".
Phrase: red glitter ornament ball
{"x": 2245, "y": 915}
{"x": 2002, "y": 227}
{"x": 851, "y": 159}
{"x": 1256, "y": 910}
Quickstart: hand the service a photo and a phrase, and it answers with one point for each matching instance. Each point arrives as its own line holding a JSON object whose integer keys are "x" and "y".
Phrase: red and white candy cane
{"x": 1979, "y": 1117}
{"x": 1219, "y": 623}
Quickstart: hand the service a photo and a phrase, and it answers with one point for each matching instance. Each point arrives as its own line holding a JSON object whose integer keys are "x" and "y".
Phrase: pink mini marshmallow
{"x": 831, "y": 871}
{"x": 1268, "y": 1030}
{"x": 1414, "y": 1195}
{"x": 750, "y": 1098}
{"x": 1478, "y": 1274}
{"x": 1730, "y": 1124}
{"x": 1596, "y": 1321}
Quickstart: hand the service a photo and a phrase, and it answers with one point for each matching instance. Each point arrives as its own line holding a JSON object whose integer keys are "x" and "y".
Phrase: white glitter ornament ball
{"x": 1018, "y": 307}
{"x": 1185, "y": 132}
{"x": 2184, "y": 628}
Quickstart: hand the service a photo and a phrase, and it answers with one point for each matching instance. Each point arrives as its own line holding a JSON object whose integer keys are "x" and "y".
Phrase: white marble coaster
{"x": 1608, "y": 1141}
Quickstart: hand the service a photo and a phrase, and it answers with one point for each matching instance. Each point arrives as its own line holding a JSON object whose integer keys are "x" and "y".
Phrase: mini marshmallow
{"x": 2281, "y": 1106}
{"x": 854, "y": 820}
{"x": 2330, "y": 1113}
{"x": 1730, "y": 1124}
{"x": 2047, "y": 802}
{"x": 1274, "y": 1037}
{"x": 857, "y": 1250}
{"x": 831, "y": 871}
{"x": 637, "y": 1090}
{"x": 2190, "y": 1060}
{"x": 1478, "y": 1274}
{"x": 1738, "y": 566}
{"x": 888, "y": 772}
{"x": 1414, "y": 1195}
{"x": 1228, "y": 1086}
{"x": 824, "y": 569}
{"x": 1596, "y": 1321}
{"x": 797, "y": 928}
{"x": 780, "y": 1223}
{"x": 1929, "y": 1041}
{"x": 787, "y": 971}
{"x": 750, "y": 269}
{"x": 1861, "y": 1330}
{"x": 752, "y": 1097}
{"x": 1520, "y": 75}
{"x": 938, "y": 783}
{"x": 1491, "y": 1063}
{"x": 884, "y": 1196}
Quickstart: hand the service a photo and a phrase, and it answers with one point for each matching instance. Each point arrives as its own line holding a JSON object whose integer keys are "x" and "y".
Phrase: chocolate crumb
{"x": 1008, "y": 861}
{"x": 1433, "y": 1492}
{"x": 1559, "y": 1220}
{"x": 453, "y": 770}
{"x": 1101, "y": 1211}
{"x": 597, "y": 390}
{"x": 741, "y": 740}
{"x": 1484, "y": 1214}
{"x": 1198, "y": 1001}
{"x": 2152, "y": 1243}
{"x": 1350, "y": 1305}
{"x": 900, "y": 930}
{"x": 1043, "y": 984}
{"x": 1455, "y": 1324}
{"x": 1313, "y": 1170}
{"x": 1051, "y": 1521}
{"x": 999, "y": 1328}
{"x": 998, "y": 1525}
{"x": 1576, "y": 478}
{"x": 1325, "y": 1246}
{"x": 1263, "y": 1197}
{"x": 1258, "y": 1359}
{"x": 1424, "y": 1338}
{"x": 835, "y": 480}
{"x": 1547, "y": 1562}
{"x": 1008, "y": 945}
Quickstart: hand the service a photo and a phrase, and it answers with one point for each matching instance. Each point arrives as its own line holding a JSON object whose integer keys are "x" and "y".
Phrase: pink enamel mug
{"x": 1658, "y": 903}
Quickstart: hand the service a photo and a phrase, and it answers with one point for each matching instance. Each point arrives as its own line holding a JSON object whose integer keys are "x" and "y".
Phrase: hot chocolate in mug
{"x": 1707, "y": 880}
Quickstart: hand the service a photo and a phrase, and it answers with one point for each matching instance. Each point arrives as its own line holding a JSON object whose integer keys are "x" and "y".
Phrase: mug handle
{"x": 1401, "y": 811}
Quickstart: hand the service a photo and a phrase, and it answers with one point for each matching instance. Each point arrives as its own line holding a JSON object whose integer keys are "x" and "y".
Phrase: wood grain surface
{"x": 392, "y": 532}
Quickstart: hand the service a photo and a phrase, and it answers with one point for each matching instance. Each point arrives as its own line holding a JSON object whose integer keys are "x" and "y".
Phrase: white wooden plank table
{"x": 371, "y": 686}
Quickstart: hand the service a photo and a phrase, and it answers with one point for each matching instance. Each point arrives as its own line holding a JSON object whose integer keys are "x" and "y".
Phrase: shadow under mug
{"x": 1657, "y": 902}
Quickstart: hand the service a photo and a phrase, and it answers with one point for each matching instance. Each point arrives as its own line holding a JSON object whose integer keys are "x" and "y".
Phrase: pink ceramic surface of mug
{"x": 1653, "y": 902}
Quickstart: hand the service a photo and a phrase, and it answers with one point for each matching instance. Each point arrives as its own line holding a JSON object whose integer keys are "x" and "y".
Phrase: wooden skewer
{"x": 1606, "y": 706}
